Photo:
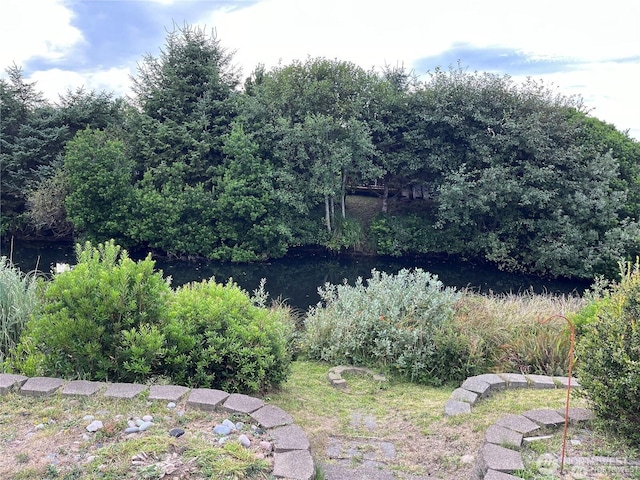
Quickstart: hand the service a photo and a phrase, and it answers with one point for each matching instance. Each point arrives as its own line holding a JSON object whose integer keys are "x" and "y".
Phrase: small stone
{"x": 40, "y": 426}
{"x": 132, "y": 430}
{"x": 88, "y": 418}
{"x": 266, "y": 446}
{"x": 147, "y": 418}
{"x": 467, "y": 459}
{"x": 244, "y": 441}
{"x": 239, "y": 426}
{"x": 223, "y": 440}
{"x": 94, "y": 426}
{"x": 575, "y": 442}
{"x": 145, "y": 426}
{"x": 90, "y": 459}
{"x": 176, "y": 432}
{"x": 131, "y": 423}
{"x": 229, "y": 424}
{"x": 222, "y": 429}
{"x": 171, "y": 405}
{"x": 139, "y": 421}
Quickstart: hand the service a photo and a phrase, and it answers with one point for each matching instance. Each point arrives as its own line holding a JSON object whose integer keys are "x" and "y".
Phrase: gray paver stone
{"x": 340, "y": 384}
{"x": 476, "y": 385}
{"x": 41, "y": 386}
{"x": 517, "y": 423}
{"x": 289, "y": 437}
{"x": 493, "y": 379}
{"x": 501, "y": 459}
{"x": 515, "y": 380}
{"x": 464, "y": 395}
{"x": 456, "y": 407}
{"x": 564, "y": 382}
{"x": 124, "y": 390}
{"x": 82, "y": 388}
{"x": 294, "y": 465}
{"x": 495, "y": 475}
{"x": 342, "y": 472}
{"x": 240, "y": 403}
{"x": 270, "y": 416}
{"x": 206, "y": 398}
{"x": 578, "y": 414}
{"x": 541, "y": 381}
{"x": 169, "y": 393}
{"x": 544, "y": 417}
{"x": 9, "y": 381}
{"x": 503, "y": 436}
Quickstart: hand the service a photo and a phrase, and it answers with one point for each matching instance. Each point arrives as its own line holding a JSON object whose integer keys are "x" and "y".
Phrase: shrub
{"x": 398, "y": 323}
{"x": 608, "y": 354}
{"x": 18, "y": 298}
{"x": 101, "y": 320}
{"x": 218, "y": 338}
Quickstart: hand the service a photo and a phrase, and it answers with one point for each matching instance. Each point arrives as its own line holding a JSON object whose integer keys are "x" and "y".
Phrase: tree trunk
{"x": 385, "y": 198}
{"x": 343, "y": 196}
{"x": 327, "y": 212}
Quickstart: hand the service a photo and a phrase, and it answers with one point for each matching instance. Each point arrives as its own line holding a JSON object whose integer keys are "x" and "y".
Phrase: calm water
{"x": 297, "y": 277}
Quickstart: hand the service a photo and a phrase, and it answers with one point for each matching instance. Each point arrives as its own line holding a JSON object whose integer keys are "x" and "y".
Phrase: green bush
{"x": 608, "y": 354}
{"x": 101, "y": 320}
{"x": 18, "y": 298}
{"x": 397, "y": 323}
{"x": 218, "y": 338}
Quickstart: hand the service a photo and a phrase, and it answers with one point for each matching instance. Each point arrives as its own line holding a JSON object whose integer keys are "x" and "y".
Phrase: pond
{"x": 296, "y": 278}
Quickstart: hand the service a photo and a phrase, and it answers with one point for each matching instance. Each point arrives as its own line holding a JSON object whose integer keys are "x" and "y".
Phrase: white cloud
{"x": 55, "y": 82}
{"x": 36, "y": 28}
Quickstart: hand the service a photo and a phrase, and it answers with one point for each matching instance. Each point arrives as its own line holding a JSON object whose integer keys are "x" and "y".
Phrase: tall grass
{"x": 18, "y": 298}
{"x": 506, "y": 330}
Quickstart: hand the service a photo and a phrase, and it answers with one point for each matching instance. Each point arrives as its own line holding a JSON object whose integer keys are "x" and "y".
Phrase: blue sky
{"x": 581, "y": 48}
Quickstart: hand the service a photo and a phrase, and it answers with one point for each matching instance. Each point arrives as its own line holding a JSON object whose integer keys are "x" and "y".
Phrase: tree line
{"x": 199, "y": 163}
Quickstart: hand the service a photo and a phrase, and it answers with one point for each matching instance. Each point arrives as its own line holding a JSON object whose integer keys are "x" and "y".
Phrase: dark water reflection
{"x": 297, "y": 277}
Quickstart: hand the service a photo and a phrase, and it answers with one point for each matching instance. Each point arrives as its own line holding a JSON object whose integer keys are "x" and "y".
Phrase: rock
{"x": 132, "y": 430}
{"x": 131, "y": 424}
{"x": 94, "y": 426}
{"x": 139, "y": 421}
{"x": 145, "y": 426}
{"x": 229, "y": 424}
{"x": 88, "y": 418}
{"x": 147, "y": 418}
{"x": 244, "y": 441}
{"x": 40, "y": 426}
{"x": 176, "y": 432}
{"x": 239, "y": 426}
{"x": 223, "y": 440}
{"x": 266, "y": 446}
{"x": 171, "y": 405}
{"x": 222, "y": 429}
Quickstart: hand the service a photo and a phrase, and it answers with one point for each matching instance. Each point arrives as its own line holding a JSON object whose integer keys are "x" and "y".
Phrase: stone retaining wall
{"x": 292, "y": 454}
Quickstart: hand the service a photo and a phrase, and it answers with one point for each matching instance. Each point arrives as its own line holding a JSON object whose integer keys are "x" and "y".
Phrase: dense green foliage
{"x": 609, "y": 355}
{"x": 18, "y": 299}
{"x": 101, "y": 320}
{"x": 398, "y": 323}
{"x": 218, "y": 338}
{"x": 470, "y": 164}
{"x": 110, "y": 318}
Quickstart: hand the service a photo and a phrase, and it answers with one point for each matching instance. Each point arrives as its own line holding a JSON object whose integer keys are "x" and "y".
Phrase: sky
{"x": 576, "y": 47}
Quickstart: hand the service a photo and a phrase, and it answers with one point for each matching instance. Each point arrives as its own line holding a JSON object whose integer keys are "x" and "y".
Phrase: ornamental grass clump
{"x": 401, "y": 324}
{"x": 18, "y": 298}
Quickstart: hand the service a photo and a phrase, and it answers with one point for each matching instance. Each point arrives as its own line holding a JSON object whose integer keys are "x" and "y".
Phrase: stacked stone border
{"x": 473, "y": 389}
{"x": 292, "y": 451}
{"x": 335, "y": 376}
{"x": 500, "y": 456}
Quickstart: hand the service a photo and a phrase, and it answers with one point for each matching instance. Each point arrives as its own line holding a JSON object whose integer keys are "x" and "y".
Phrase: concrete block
{"x": 578, "y": 414}
{"x": 494, "y": 380}
{"x": 541, "y": 381}
{"x": 545, "y": 417}
{"x": 206, "y": 399}
{"x": 289, "y": 437}
{"x": 518, "y": 423}
{"x": 503, "y": 436}
{"x": 294, "y": 465}
{"x": 9, "y": 382}
{"x": 456, "y": 407}
{"x": 124, "y": 390}
{"x": 41, "y": 386}
{"x": 464, "y": 395}
{"x": 495, "y": 475}
{"x": 167, "y": 393}
{"x": 270, "y": 417}
{"x": 82, "y": 388}
{"x": 515, "y": 380}
{"x": 474, "y": 384}
{"x": 239, "y": 403}
{"x": 563, "y": 382}
{"x": 500, "y": 459}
